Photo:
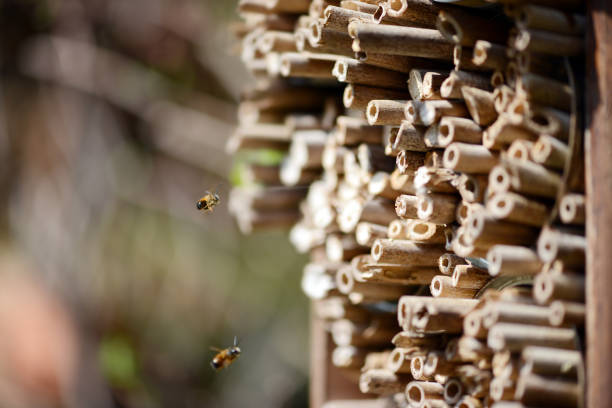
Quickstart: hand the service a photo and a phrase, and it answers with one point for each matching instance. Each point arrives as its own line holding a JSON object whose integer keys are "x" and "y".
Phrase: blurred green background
{"x": 113, "y": 120}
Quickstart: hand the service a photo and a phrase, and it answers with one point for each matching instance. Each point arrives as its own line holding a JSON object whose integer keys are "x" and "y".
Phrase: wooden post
{"x": 599, "y": 212}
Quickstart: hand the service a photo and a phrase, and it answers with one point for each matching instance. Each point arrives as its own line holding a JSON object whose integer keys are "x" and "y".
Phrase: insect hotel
{"x": 434, "y": 170}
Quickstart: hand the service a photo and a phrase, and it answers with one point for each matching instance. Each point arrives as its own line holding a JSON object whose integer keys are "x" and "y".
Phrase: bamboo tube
{"x": 462, "y": 247}
{"x": 545, "y": 91}
{"x": 437, "y": 208}
{"x": 410, "y": 138}
{"x": 512, "y": 312}
{"x": 381, "y": 381}
{"x": 472, "y": 324}
{"x": 358, "y": 96}
{"x": 326, "y": 40}
{"x": 567, "y": 314}
{"x": 426, "y": 232}
{"x": 416, "y": 368}
{"x": 435, "y": 180}
{"x": 515, "y": 337}
{"x": 489, "y": 55}
{"x": 538, "y": 119}
{"x": 366, "y": 6}
{"x": 338, "y": 18}
{"x": 306, "y": 65}
{"x": 442, "y": 286}
{"x": 453, "y": 389}
{"x": 419, "y": 391}
{"x": 372, "y": 158}
{"x": 482, "y": 230}
{"x": 548, "y": 287}
{"x": 378, "y": 211}
{"x": 366, "y": 233}
{"x": 426, "y": 319}
{"x": 353, "y": 71}
{"x": 469, "y": 277}
{"x": 428, "y": 112}
{"x": 501, "y": 388}
{"x": 550, "y": 152}
{"x": 376, "y": 360}
{"x": 448, "y": 262}
{"x": 451, "y": 87}
{"x": 277, "y": 41}
{"x": 503, "y": 132}
{"x": 408, "y": 161}
{"x": 416, "y": 83}
{"x": 402, "y": 182}
{"x": 453, "y": 129}
{"x": 398, "y": 274}
{"x": 273, "y": 6}
{"x": 436, "y": 363}
{"x": 502, "y": 96}
{"x": 472, "y": 187}
{"x": 398, "y": 229}
{"x": 399, "y": 63}
{"x": 317, "y": 283}
{"x": 380, "y": 185}
{"x": 507, "y": 260}
{"x": 336, "y": 307}
{"x": 414, "y": 12}
{"x": 464, "y": 28}
{"x": 527, "y": 178}
{"x": 520, "y": 150}
{"x": 553, "y": 361}
{"x": 424, "y": 307}
{"x": 550, "y": 19}
{"x": 432, "y": 136}
{"x": 572, "y": 209}
{"x": 332, "y": 158}
{"x": 546, "y": 42}
{"x": 293, "y": 174}
{"x": 569, "y": 248}
{"x": 397, "y": 40}
{"x": 406, "y": 206}
{"x": 462, "y": 59}
{"x": 353, "y": 131}
{"x": 399, "y": 361}
{"x": 306, "y": 148}
{"x": 431, "y": 84}
{"x": 347, "y": 333}
{"x": 348, "y": 357}
{"x": 468, "y": 401}
{"x": 385, "y": 112}
{"x": 533, "y": 389}
{"x": 468, "y": 158}
{"x": 342, "y": 248}
{"x": 403, "y": 251}
{"x": 464, "y": 210}
{"x": 406, "y": 339}
{"x": 516, "y": 208}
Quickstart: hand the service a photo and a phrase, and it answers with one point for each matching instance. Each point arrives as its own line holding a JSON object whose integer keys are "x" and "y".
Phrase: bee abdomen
{"x": 215, "y": 364}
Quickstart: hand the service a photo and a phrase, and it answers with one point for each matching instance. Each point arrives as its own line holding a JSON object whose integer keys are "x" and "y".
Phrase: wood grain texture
{"x": 599, "y": 193}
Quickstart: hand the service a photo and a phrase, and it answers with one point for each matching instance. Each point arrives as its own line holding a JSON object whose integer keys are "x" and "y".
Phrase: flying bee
{"x": 226, "y": 356}
{"x": 208, "y": 201}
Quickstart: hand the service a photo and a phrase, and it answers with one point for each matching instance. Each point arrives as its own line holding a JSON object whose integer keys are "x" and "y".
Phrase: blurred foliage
{"x": 113, "y": 121}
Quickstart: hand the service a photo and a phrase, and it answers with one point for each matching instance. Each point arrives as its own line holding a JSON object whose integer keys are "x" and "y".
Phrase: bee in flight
{"x": 226, "y": 356}
{"x": 208, "y": 201}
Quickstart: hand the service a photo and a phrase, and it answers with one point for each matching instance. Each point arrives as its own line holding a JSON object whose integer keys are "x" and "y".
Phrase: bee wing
{"x": 217, "y": 349}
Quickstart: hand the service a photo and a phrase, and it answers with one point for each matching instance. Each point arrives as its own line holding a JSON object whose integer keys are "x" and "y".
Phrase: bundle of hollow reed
{"x": 453, "y": 171}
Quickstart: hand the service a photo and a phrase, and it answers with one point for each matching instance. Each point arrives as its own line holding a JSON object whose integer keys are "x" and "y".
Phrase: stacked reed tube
{"x": 444, "y": 215}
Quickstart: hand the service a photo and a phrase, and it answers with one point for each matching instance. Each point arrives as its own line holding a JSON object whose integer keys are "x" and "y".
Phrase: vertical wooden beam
{"x": 599, "y": 204}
